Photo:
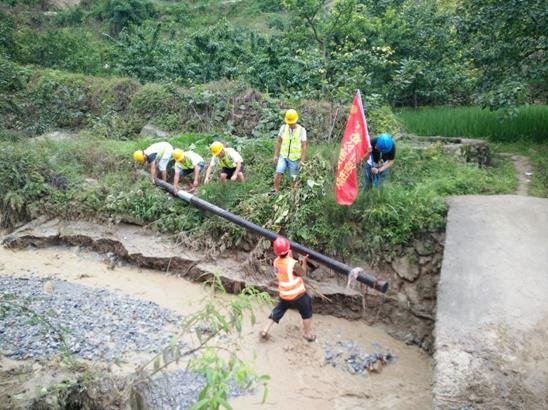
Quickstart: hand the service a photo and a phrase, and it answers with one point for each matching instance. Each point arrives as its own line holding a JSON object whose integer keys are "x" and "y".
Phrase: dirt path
{"x": 298, "y": 370}
{"x": 524, "y": 172}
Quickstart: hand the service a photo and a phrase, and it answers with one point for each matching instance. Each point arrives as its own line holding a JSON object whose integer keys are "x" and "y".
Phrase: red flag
{"x": 354, "y": 147}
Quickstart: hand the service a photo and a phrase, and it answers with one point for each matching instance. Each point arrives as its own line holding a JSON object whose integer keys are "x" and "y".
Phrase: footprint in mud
{"x": 297, "y": 349}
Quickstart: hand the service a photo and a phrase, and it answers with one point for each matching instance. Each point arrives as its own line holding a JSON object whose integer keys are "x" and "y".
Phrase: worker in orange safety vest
{"x": 289, "y": 273}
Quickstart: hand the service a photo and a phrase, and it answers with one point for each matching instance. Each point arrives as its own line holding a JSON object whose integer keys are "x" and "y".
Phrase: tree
{"x": 120, "y": 14}
{"x": 506, "y": 41}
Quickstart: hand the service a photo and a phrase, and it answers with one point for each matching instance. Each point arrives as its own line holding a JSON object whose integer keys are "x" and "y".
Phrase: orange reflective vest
{"x": 289, "y": 285}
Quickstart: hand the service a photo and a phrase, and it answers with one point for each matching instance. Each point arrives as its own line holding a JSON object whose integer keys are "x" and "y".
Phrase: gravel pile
{"x": 348, "y": 355}
{"x": 177, "y": 390}
{"x": 97, "y": 324}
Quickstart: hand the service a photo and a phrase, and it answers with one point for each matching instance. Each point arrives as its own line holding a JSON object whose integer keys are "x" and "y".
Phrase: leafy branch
{"x": 210, "y": 340}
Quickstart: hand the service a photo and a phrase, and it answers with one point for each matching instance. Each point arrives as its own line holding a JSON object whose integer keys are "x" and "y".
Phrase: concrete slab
{"x": 491, "y": 334}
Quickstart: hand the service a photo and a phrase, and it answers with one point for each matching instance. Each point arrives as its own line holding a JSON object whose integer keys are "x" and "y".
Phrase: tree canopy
{"x": 398, "y": 52}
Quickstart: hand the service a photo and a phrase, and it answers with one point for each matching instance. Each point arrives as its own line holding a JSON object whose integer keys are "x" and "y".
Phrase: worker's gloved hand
{"x": 234, "y": 177}
{"x": 374, "y": 171}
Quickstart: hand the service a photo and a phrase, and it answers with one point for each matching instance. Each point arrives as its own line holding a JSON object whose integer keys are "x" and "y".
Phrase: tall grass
{"x": 530, "y": 123}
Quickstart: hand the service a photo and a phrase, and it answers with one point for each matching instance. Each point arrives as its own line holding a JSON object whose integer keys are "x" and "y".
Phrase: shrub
{"x": 120, "y": 14}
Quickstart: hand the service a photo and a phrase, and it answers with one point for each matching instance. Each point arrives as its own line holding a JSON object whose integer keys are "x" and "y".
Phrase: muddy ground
{"x": 299, "y": 370}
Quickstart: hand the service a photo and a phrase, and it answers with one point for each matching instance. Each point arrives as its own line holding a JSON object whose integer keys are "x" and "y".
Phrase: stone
{"x": 428, "y": 269}
{"x": 406, "y": 268}
{"x": 90, "y": 183}
{"x": 423, "y": 248}
{"x": 152, "y": 131}
{"x": 439, "y": 237}
{"x": 423, "y": 260}
{"x": 412, "y": 296}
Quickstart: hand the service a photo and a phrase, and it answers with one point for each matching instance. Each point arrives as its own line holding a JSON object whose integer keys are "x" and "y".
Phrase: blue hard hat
{"x": 385, "y": 143}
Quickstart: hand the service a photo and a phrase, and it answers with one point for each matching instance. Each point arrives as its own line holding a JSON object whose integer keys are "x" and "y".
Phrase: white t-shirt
{"x": 193, "y": 157}
{"x": 163, "y": 148}
{"x": 291, "y": 130}
{"x": 232, "y": 154}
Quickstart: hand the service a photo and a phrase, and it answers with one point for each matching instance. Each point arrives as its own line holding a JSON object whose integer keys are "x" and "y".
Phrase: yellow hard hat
{"x": 291, "y": 117}
{"x": 178, "y": 155}
{"x": 216, "y": 148}
{"x": 139, "y": 156}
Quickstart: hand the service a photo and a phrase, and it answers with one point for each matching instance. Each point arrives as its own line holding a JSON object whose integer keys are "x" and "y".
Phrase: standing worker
{"x": 158, "y": 153}
{"x": 187, "y": 163}
{"x": 379, "y": 159}
{"x": 291, "y": 287}
{"x": 290, "y": 149}
{"x": 230, "y": 161}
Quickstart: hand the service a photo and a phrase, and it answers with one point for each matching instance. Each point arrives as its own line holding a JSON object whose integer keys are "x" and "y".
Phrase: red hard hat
{"x": 281, "y": 246}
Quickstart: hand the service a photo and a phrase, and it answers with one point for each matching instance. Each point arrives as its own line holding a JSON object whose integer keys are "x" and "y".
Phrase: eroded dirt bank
{"x": 298, "y": 369}
{"x": 407, "y": 311}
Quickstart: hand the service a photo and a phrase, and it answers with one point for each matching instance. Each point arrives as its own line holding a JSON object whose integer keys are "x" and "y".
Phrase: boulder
{"x": 424, "y": 248}
{"x": 151, "y": 131}
{"x": 406, "y": 268}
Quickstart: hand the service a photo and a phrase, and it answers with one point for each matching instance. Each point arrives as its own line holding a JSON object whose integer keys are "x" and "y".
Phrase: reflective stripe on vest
{"x": 289, "y": 285}
{"x": 291, "y": 145}
{"x": 226, "y": 161}
{"x": 186, "y": 164}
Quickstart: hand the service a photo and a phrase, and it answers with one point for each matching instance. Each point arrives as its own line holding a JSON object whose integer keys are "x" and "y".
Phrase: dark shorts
{"x": 230, "y": 171}
{"x": 303, "y": 304}
{"x": 187, "y": 172}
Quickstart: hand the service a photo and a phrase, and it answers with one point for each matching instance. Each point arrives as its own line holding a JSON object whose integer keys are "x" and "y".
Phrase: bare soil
{"x": 523, "y": 171}
{"x": 298, "y": 370}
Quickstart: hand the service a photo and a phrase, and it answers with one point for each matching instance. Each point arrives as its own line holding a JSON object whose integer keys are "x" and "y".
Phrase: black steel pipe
{"x": 356, "y": 273}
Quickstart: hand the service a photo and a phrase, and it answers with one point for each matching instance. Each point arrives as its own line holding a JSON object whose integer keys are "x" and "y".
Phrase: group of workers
{"x": 289, "y": 156}
{"x": 189, "y": 165}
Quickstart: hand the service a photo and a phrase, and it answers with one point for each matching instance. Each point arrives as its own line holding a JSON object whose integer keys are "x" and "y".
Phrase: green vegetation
{"x": 215, "y": 69}
{"x": 198, "y": 344}
{"x": 378, "y": 223}
{"x": 398, "y": 52}
{"x": 525, "y": 133}
{"x": 529, "y": 123}
{"x": 538, "y": 156}
{"x": 117, "y": 108}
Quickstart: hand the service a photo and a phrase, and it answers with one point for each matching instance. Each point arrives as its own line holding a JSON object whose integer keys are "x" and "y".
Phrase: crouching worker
{"x": 187, "y": 163}
{"x": 230, "y": 161}
{"x": 157, "y": 156}
{"x": 380, "y": 159}
{"x": 291, "y": 287}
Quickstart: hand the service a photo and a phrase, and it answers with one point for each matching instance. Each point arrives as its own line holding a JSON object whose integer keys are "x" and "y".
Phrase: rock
{"x": 151, "y": 131}
{"x": 48, "y": 287}
{"x": 406, "y": 268}
{"x": 88, "y": 317}
{"x": 428, "y": 269}
{"x": 423, "y": 260}
{"x": 439, "y": 237}
{"x": 90, "y": 183}
{"x": 423, "y": 248}
{"x": 413, "y": 296}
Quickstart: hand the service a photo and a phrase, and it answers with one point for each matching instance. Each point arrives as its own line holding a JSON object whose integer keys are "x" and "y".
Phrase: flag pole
{"x": 362, "y": 111}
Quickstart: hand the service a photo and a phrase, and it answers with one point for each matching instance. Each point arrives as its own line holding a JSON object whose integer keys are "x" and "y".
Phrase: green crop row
{"x": 529, "y": 123}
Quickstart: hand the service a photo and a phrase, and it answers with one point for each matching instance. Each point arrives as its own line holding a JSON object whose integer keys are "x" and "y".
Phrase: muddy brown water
{"x": 299, "y": 374}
